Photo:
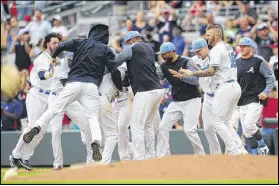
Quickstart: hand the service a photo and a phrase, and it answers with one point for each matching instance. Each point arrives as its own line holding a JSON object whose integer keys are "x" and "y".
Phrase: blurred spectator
{"x": 21, "y": 48}
{"x": 12, "y": 31}
{"x": 37, "y": 50}
{"x": 208, "y": 21}
{"x": 213, "y": 7}
{"x": 229, "y": 6}
{"x": 59, "y": 28}
{"x": 38, "y": 28}
{"x": 178, "y": 40}
{"x": 129, "y": 26}
{"x": 274, "y": 58}
{"x": 27, "y": 19}
{"x": 196, "y": 11}
{"x": 5, "y": 6}
{"x": 10, "y": 115}
{"x": 244, "y": 27}
{"x": 246, "y": 12}
{"x": 140, "y": 24}
{"x": 165, "y": 20}
{"x": 24, "y": 8}
{"x": 176, "y": 4}
{"x": 270, "y": 111}
{"x": 155, "y": 45}
{"x": 229, "y": 32}
{"x": 263, "y": 39}
{"x": 166, "y": 38}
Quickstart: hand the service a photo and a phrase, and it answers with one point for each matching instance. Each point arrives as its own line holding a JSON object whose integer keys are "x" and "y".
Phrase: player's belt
{"x": 210, "y": 95}
{"x": 44, "y": 91}
{"x": 229, "y": 81}
{"x": 54, "y": 93}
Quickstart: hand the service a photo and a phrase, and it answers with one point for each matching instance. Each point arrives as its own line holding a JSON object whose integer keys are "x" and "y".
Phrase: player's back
{"x": 90, "y": 56}
{"x": 141, "y": 68}
{"x": 219, "y": 56}
{"x": 41, "y": 63}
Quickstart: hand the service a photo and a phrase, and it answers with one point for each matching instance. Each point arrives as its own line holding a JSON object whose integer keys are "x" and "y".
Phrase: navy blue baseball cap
{"x": 166, "y": 47}
{"x": 246, "y": 41}
{"x": 131, "y": 35}
{"x": 198, "y": 44}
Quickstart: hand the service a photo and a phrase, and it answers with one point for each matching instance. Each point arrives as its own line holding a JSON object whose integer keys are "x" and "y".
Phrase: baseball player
{"x": 73, "y": 110}
{"x": 227, "y": 88}
{"x": 146, "y": 87}
{"x": 201, "y": 59}
{"x": 36, "y": 100}
{"x": 108, "y": 114}
{"x": 256, "y": 80}
{"x": 91, "y": 56}
{"x": 186, "y": 101}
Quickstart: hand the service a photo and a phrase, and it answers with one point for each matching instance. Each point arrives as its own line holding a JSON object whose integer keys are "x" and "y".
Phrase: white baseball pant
{"x": 210, "y": 131}
{"x": 145, "y": 108}
{"x": 223, "y": 105}
{"x": 36, "y": 105}
{"x": 76, "y": 114}
{"x": 124, "y": 145}
{"x": 249, "y": 116}
{"x": 88, "y": 96}
{"x": 190, "y": 111}
{"x": 108, "y": 123}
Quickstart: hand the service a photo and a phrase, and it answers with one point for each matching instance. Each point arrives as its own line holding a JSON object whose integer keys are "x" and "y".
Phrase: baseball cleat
{"x": 263, "y": 151}
{"x": 28, "y": 137}
{"x": 97, "y": 156}
{"x": 25, "y": 164}
{"x": 14, "y": 163}
{"x": 58, "y": 168}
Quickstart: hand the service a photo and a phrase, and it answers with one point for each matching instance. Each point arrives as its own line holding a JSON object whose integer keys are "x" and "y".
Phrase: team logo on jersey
{"x": 251, "y": 70}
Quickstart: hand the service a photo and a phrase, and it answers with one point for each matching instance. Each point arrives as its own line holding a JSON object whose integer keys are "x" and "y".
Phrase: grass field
{"x": 23, "y": 173}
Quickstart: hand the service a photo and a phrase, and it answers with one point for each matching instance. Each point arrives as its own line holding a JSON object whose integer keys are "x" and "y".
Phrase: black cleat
{"x": 28, "y": 137}
{"x": 14, "y": 163}
{"x": 97, "y": 156}
{"x": 25, "y": 164}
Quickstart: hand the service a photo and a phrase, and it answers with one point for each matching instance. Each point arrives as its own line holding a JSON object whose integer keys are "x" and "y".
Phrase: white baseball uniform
{"x": 108, "y": 114}
{"x": 36, "y": 105}
{"x": 209, "y": 88}
{"x": 75, "y": 112}
{"x": 228, "y": 89}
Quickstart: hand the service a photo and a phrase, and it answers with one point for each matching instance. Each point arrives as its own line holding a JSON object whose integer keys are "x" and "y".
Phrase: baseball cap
{"x": 166, "y": 47}
{"x": 57, "y": 17}
{"x": 261, "y": 26}
{"x": 198, "y": 44}
{"x": 245, "y": 41}
{"x": 131, "y": 35}
{"x": 254, "y": 45}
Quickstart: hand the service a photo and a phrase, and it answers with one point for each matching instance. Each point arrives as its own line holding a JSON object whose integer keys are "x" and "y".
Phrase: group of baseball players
{"x": 104, "y": 93}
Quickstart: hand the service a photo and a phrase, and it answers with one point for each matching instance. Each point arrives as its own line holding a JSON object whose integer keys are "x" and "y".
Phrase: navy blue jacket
{"x": 91, "y": 56}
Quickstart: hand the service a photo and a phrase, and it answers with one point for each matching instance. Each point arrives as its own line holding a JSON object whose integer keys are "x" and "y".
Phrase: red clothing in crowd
{"x": 66, "y": 120}
{"x": 270, "y": 112}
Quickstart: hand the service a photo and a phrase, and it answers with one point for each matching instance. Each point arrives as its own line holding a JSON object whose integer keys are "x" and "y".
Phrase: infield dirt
{"x": 182, "y": 167}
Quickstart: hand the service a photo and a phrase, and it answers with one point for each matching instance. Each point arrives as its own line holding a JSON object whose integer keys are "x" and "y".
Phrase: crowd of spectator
{"x": 160, "y": 23}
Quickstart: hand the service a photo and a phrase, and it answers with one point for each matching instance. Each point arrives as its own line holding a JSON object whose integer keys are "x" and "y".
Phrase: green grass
{"x": 23, "y": 173}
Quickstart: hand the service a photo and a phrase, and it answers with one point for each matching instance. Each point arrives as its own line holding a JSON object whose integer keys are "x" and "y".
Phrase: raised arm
{"x": 70, "y": 46}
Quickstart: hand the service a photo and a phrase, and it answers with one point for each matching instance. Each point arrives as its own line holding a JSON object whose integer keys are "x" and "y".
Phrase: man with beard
{"x": 227, "y": 91}
{"x": 186, "y": 100}
{"x": 36, "y": 100}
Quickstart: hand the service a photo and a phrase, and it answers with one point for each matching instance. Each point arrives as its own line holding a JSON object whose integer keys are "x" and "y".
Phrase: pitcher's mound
{"x": 182, "y": 167}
